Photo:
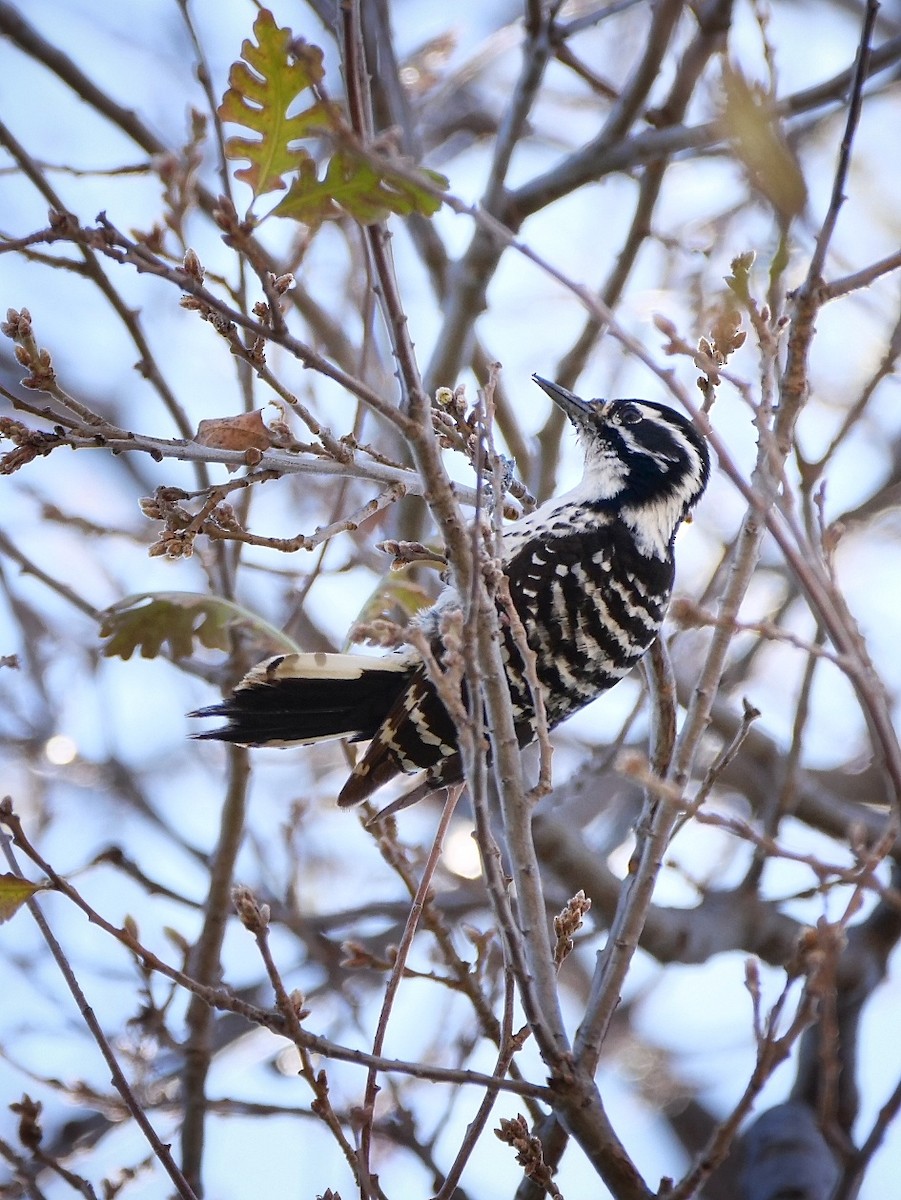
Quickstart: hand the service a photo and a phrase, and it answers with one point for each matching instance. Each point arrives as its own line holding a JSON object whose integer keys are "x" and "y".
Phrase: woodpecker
{"x": 590, "y": 575}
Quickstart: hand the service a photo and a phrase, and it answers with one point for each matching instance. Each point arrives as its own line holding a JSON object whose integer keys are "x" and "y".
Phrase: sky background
{"x": 134, "y": 712}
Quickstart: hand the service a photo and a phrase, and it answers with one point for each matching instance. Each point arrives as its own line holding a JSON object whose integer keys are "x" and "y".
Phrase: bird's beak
{"x": 575, "y": 408}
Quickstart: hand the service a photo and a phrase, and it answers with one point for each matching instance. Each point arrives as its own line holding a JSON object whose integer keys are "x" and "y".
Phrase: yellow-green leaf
{"x": 150, "y": 620}
{"x": 759, "y": 143}
{"x": 13, "y": 894}
{"x": 263, "y": 85}
{"x": 396, "y": 598}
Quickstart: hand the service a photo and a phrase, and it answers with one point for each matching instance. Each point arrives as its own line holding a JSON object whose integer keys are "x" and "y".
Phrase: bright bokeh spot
{"x": 61, "y": 750}
{"x": 461, "y": 854}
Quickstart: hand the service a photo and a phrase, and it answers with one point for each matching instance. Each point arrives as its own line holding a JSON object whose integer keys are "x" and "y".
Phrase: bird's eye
{"x": 628, "y": 414}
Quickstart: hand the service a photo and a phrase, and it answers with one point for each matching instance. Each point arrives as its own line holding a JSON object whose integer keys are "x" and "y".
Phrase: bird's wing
{"x": 417, "y": 734}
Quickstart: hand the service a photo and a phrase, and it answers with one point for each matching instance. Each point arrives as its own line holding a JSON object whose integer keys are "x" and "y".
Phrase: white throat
{"x": 654, "y": 522}
{"x": 604, "y": 476}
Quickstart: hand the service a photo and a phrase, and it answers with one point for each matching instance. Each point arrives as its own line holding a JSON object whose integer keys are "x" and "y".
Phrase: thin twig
{"x": 655, "y": 829}
{"x": 397, "y": 971}
{"x": 205, "y": 964}
{"x": 510, "y": 1044}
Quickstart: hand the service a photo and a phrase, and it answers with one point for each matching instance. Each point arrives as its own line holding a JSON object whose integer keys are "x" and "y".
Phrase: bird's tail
{"x": 298, "y": 699}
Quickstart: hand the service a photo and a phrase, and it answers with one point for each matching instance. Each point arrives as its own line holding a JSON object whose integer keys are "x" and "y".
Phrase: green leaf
{"x": 13, "y": 894}
{"x": 149, "y": 620}
{"x": 353, "y": 186}
{"x": 263, "y": 84}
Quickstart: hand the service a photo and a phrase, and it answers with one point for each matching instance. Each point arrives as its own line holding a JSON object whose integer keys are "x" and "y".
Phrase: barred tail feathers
{"x": 298, "y": 699}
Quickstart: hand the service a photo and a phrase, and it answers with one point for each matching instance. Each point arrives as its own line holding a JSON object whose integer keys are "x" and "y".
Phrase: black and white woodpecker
{"x": 590, "y": 574}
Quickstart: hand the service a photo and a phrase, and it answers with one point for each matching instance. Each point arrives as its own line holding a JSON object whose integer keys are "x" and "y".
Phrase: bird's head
{"x": 636, "y": 451}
